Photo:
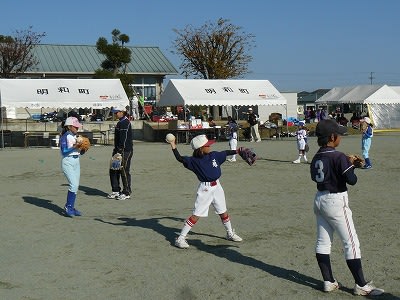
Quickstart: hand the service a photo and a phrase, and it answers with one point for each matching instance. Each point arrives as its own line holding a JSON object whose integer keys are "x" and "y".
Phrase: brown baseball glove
{"x": 83, "y": 143}
{"x": 356, "y": 160}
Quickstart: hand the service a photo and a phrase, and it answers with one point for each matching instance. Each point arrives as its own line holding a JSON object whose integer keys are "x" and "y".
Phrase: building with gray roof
{"x": 149, "y": 65}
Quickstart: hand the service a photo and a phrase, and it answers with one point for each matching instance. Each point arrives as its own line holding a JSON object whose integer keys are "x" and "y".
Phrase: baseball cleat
{"x": 113, "y": 195}
{"x": 233, "y": 237}
{"x": 180, "y": 242}
{"x": 123, "y": 197}
{"x": 77, "y": 213}
{"x": 331, "y": 286}
{"x": 69, "y": 211}
{"x": 367, "y": 290}
{"x": 297, "y": 161}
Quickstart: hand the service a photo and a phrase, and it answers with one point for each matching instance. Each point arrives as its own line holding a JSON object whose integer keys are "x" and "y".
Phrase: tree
{"x": 117, "y": 58}
{"x": 214, "y": 51}
{"x": 116, "y": 54}
{"x": 16, "y": 54}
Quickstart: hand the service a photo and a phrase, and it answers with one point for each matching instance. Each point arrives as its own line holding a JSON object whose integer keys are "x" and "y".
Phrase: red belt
{"x": 211, "y": 183}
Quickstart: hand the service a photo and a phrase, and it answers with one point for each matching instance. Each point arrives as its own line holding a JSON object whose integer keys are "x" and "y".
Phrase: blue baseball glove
{"x": 116, "y": 161}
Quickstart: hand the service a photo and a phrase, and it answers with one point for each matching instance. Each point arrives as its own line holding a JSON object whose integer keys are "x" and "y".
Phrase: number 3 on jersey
{"x": 319, "y": 166}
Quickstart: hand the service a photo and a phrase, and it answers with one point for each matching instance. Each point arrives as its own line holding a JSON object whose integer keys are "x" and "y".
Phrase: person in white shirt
{"x": 301, "y": 135}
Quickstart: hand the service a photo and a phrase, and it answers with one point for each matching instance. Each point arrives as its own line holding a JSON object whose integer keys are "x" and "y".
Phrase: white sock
{"x": 189, "y": 223}
{"x": 228, "y": 226}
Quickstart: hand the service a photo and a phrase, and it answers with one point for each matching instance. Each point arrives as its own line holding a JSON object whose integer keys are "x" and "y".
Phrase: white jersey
{"x": 301, "y": 136}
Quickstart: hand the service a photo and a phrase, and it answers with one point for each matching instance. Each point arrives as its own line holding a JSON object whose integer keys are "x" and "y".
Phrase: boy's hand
{"x": 170, "y": 138}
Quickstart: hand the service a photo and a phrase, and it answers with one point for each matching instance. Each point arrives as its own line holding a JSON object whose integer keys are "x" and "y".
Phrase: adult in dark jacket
{"x": 123, "y": 144}
{"x": 252, "y": 119}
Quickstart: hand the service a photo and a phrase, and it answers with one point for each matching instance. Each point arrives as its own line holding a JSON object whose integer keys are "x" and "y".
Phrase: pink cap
{"x": 73, "y": 122}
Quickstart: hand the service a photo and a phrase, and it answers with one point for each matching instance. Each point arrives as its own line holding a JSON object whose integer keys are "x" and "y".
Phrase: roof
{"x": 62, "y": 93}
{"x": 367, "y": 94}
{"x": 86, "y": 59}
{"x": 220, "y": 92}
{"x": 310, "y": 97}
{"x": 395, "y": 88}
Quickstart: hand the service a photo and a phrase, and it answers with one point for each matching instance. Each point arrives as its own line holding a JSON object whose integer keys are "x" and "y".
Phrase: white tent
{"x": 60, "y": 93}
{"x": 32, "y": 94}
{"x": 213, "y": 92}
{"x": 383, "y": 102}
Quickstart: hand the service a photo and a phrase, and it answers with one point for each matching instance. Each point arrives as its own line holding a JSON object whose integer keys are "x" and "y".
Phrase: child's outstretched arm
{"x": 178, "y": 156}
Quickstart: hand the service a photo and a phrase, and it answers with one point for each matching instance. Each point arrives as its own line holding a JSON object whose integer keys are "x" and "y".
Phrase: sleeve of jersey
{"x": 230, "y": 152}
{"x": 178, "y": 155}
{"x": 368, "y": 132}
{"x": 348, "y": 170}
{"x": 65, "y": 146}
{"x": 221, "y": 156}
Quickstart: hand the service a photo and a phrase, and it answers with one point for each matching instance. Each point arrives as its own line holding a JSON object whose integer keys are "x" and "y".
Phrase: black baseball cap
{"x": 328, "y": 127}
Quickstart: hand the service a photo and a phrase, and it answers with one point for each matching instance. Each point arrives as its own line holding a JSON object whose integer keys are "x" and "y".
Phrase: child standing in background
{"x": 366, "y": 141}
{"x": 233, "y": 136}
{"x": 301, "y": 136}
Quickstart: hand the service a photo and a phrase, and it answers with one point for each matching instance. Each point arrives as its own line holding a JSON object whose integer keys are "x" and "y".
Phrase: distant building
{"x": 149, "y": 65}
{"x": 307, "y": 100}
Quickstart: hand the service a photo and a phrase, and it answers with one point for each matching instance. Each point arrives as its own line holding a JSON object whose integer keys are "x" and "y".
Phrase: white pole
{"x": 2, "y": 129}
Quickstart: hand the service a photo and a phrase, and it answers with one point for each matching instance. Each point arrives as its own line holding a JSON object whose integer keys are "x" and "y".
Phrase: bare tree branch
{"x": 214, "y": 51}
{"x": 16, "y": 55}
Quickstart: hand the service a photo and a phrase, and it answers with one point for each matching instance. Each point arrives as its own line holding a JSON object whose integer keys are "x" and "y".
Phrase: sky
{"x": 300, "y": 45}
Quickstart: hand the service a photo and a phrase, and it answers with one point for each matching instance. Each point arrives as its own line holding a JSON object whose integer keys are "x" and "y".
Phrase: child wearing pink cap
{"x": 70, "y": 164}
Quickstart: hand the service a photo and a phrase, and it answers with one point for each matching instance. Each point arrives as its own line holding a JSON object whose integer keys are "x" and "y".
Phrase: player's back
{"x": 328, "y": 168}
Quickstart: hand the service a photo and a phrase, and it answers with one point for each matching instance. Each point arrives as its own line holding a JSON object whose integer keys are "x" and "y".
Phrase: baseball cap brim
{"x": 72, "y": 121}
{"x": 209, "y": 143}
{"x": 341, "y": 130}
{"x": 118, "y": 108}
{"x": 328, "y": 127}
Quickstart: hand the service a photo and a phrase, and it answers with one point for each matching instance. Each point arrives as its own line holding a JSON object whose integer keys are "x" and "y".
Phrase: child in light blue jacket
{"x": 366, "y": 141}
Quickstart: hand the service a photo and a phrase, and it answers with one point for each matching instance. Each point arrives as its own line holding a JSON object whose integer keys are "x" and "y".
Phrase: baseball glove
{"x": 356, "y": 160}
{"x": 115, "y": 163}
{"x": 248, "y": 155}
{"x": 83, "y": 143}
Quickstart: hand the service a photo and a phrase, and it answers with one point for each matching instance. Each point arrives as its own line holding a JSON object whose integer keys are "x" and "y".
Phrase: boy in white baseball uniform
{"x": 206, "y": 164}
{"x": 332, "y": 171}
{"x": 301, "y": 135}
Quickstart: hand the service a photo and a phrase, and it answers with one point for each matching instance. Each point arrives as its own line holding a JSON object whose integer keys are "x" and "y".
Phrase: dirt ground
{"x": 124, "y": 249}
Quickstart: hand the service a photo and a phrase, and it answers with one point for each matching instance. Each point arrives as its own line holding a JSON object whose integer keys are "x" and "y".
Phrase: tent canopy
{"x": 220, "y": 92}
{"x": 61, "y": 93}
{"x": 383, "y": 102}
{"x": 363, "y": 94}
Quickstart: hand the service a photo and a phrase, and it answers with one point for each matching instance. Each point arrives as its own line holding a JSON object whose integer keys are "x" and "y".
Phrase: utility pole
{"x": 371, "y": 77}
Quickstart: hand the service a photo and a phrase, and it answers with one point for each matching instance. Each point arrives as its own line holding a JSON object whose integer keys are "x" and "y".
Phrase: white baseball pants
{"x": 333, "y": 214}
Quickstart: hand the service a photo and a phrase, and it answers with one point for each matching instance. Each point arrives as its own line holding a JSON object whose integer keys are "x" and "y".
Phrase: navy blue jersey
{"x": 332, "y": 170}
{"x": 206, "y": 168}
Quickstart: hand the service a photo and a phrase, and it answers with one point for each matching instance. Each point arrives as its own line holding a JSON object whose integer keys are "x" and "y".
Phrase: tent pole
{"x": 2, "y": 129}
{"x": 287, "y": 125}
